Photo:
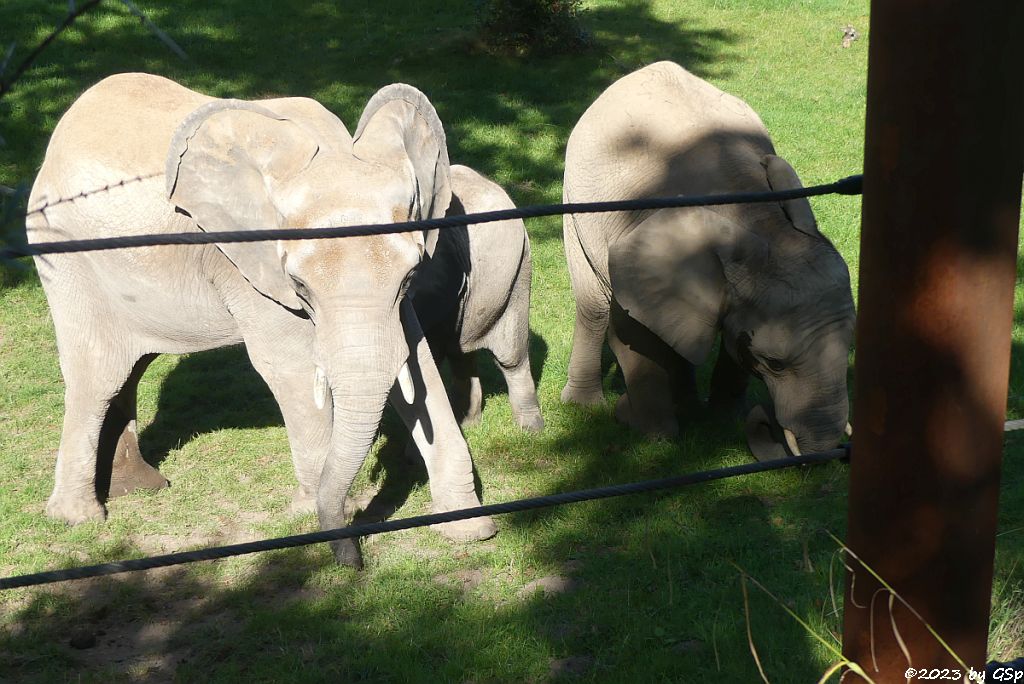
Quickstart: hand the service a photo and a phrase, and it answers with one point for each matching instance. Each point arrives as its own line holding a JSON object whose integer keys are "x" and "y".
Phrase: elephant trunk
{"x": 813, "y": 422}
{"x": 361, "y": 367}
{"x": 805, "y": 418}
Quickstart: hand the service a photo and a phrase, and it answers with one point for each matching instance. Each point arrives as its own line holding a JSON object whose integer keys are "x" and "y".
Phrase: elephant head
{"x": 235, "y": 165}
{"x": 770, "y": 281}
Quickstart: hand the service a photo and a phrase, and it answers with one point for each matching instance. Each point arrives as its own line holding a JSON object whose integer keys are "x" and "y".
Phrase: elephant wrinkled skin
{"x": 664, "y": 283}
{"x": 326, "y": 323}
{"x": 474, "y": 293}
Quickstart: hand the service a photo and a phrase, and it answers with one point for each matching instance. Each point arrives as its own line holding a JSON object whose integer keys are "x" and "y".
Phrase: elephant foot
{"x": 473, "y": 529}
{"x": 75, "y": 510}
{"x": 303, "y": 501}
{"x": 651, "y": 426}
{"x": 129, "y": 471}
{"x": 471, "y": 419}
{"x": 346, "y": 552}
{"x": 531, "y": 421}
{"x": 130, "y": 474}
{"x": 572, "y": 394}
{"x": 476, "y": 529}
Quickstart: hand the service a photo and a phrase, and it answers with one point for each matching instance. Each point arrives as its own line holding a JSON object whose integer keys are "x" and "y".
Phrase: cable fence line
{"x": 367, "y": 529}
{"x": 851, "y": 185}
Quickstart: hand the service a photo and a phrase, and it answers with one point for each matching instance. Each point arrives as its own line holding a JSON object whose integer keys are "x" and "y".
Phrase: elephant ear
{"x": 781, "y": 176}
{"x": 669, "y": 274}
{"x": 400, "y": 128}
{"x": 224, "y": 162}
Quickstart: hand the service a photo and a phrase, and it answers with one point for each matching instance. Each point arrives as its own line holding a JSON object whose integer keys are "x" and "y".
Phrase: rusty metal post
{"x": 942, "y": 190}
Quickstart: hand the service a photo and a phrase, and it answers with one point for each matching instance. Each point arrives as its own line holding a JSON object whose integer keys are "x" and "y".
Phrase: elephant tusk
{"x": 405, "y": 383}
{"x": 791, "y": 442}
{"x": 320, "y": 388}
{"x": 849, "y": 430}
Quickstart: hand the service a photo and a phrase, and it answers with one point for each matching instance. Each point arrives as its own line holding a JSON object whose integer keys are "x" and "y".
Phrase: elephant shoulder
{"x": 117, "y": 132}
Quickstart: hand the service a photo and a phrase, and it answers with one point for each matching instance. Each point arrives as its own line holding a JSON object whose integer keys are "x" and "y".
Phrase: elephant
{"x": 663, "y": 284}
{"x": 326, "y": 323}
{"x": 474, "y": 293}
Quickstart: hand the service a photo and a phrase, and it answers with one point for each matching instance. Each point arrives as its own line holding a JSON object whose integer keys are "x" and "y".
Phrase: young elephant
{"x": 664, "y": 283}
{"x": 325, "y": 322}
{"x": 474, "y": 293}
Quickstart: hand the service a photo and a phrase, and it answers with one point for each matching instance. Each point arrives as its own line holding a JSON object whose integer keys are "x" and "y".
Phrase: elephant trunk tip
{"x": 769, "y": 440}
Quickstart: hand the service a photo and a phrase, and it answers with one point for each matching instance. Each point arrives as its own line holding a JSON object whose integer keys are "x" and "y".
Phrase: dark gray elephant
{"x": 664, "y": 283}
{"x": 325, "y": 322}
{"x": 474, "y": 293}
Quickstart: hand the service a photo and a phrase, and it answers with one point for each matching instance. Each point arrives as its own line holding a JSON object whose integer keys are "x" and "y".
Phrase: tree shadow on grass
{"x": 204, "y": 392}
{"x": 293, "y": 615}
{"x": 341, "y": 54}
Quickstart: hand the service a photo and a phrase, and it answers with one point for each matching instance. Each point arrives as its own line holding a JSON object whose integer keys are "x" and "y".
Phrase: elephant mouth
{"x": 769, "y": 441}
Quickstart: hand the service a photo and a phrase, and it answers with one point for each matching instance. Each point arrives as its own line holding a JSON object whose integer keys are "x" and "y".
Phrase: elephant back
{"x": 109, "y": 148}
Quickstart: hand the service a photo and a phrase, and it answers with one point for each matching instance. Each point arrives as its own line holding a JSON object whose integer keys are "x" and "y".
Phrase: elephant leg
{"x": 522, "y": 394}
{"x": 728, "y": 384}
{"x": 647, "y": 405}
{"x": 93, "y": 379}
{"x": 467, "y": 395}
{"x": 282, "y": 353}
{"x": 509, "y": 342}
{"x": 583, "y": 384}
{"x": 128, "y": 471}
{"x": 684, "y": 383}
{"x": 420, "y": 399}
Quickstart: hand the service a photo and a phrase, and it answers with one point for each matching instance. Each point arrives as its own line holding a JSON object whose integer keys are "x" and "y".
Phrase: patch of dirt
{"x": 235, "y": 528}
{"x": 146, "y": 640}
{"x": 551, "y": 585}
{"x": 572, "y": 565}
{"x": 466, "y": 580}
{"x": 472, "y": 548}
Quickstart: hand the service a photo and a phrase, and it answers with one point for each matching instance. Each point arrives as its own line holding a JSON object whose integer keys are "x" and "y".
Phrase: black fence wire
{"x": 367, "y": 529}
{"x": 851, "y": 185}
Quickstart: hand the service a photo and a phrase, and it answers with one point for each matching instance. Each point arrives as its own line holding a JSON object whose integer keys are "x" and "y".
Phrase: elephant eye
{"x": 775, "y": 366}
{"x": 300, "y": 288}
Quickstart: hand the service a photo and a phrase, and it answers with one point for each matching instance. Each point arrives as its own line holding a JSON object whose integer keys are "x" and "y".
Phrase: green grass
{"x": 656, "y": 593}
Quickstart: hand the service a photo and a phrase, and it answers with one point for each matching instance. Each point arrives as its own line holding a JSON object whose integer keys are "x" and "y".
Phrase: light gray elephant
{"x": 664, "y": 283}
{"x": 325, "y": 322}
{"x": 474, "y": 293}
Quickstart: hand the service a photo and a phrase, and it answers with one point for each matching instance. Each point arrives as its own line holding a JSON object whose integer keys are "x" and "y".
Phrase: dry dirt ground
{"x": 145, "y": 626}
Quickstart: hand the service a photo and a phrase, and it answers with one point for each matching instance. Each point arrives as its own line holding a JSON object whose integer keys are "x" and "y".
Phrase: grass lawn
{"x": 642, "y": 589}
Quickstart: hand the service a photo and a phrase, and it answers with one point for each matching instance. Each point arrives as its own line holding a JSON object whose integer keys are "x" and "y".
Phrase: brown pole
{"x": 942, "y": 191}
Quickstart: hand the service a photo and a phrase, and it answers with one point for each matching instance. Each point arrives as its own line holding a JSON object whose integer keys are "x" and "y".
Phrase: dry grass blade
{"x": 750, "y": 634}
{"x": 888, "y": 587}
{"x": 831, "y": 671}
